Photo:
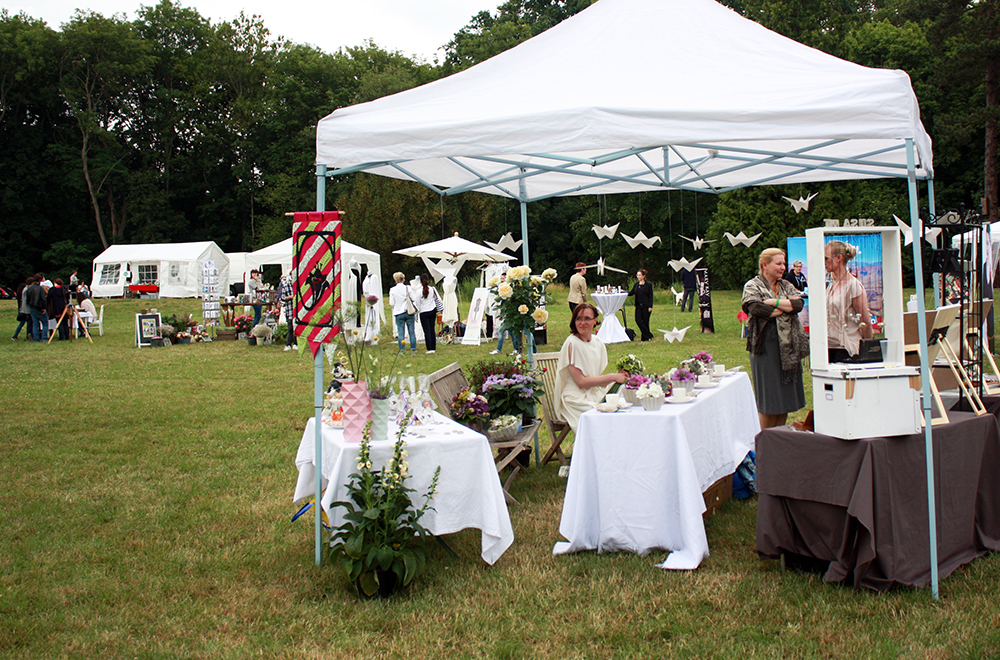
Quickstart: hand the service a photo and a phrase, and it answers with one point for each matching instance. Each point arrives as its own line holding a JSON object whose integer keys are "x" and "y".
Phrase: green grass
{"x": 145, "y": 514}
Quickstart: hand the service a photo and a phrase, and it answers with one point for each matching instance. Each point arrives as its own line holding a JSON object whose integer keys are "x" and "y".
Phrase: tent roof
{"x": 633, "y": 95}
{"x": 156, "y": 251}
{"x": 282, "y": 250}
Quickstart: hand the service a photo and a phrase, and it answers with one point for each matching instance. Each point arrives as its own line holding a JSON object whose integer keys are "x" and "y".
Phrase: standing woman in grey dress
{"x": 775, "y": 339}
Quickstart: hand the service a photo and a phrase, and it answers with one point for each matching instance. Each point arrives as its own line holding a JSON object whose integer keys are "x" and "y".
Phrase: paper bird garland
{"x": 601, "y": 267}
{"x": 930, "y": 235}
{"x": 800, "y": 204}
{"x": 506, "y": 242}
{"x": 605, "y": 231}
{"x": 678, "y": 296}
{"x": 741, "y": 238}
{"x": 677, "y": 264}
{"x": 640, "y": 239}
{"x": 675, "y": 334}
{"x": 697, "y": 241}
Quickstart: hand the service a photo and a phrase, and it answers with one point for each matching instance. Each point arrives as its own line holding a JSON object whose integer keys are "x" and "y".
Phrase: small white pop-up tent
{"x": 175, "y": 267}
{"x": 352, "y": 257}
{"x": 237, "y": 270}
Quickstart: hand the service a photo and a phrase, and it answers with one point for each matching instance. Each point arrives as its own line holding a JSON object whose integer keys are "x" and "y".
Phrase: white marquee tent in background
{"x": 637, "y": 95}
{"x": 175, "y": 267}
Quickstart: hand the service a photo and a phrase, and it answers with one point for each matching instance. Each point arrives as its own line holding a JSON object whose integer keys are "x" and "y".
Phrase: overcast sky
{"x": 414, "y": 27}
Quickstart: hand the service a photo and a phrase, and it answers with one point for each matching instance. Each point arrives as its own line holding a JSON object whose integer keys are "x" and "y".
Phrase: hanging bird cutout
{"x": 677, "y": 264}
{"x": 741, "y": 238}
{"x": 800, "y": 204}
{"x": 640, "y": 239}
{"x": 697, "y": 241}
{"x": 601, "y": 267}
{"x": 930, "y": 235}
{"x": 675, "y": 334}
{"x": 678, "y": 296}
{"x": 506, "y": 242}
{"x": 605, "y": 231}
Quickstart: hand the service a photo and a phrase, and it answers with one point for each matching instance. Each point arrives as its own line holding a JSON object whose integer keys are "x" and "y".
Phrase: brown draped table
{"x": 859, "y": 508}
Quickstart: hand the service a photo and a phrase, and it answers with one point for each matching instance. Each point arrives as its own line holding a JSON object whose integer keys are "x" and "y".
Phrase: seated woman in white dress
{"x": 580, "y": 378}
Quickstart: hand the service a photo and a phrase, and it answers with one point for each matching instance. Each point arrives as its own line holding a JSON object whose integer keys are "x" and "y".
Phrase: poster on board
{"x": 474, "y": 322}
{"x": 147, "y": 326}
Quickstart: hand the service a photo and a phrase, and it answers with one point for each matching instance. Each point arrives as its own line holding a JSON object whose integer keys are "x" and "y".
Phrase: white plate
{"x": 623, "y": 404}
{"x": 705, "y": 386}
{"x": 679, "y": 399}
{"x": 604, "y": 406}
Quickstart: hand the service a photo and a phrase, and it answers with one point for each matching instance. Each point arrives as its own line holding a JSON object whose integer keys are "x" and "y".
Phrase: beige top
{"x": 577, "y": 289}
{"x": 590, "y": 357}
{"x": 843, "y": 320}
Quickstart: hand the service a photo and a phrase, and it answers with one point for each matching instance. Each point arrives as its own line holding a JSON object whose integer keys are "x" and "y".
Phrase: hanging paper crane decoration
{"x": 677, "y": 264}
{"x": 930, "y": 235}
{"x": 675, "y": 334}
{"x": 640, "y": 239}
{"x": 506, "y": 242}
{"x": 601, "y": 267}
{"x": 605, "y": 231}
{"x": 800, "y": 204}
{"x": 678, "y": 296}
{"x": 697, "y": 241}
{"x": 741, "y": 238}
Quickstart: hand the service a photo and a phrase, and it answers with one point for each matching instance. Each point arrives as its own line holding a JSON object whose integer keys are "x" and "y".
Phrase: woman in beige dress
{"x": 580, "y": 378}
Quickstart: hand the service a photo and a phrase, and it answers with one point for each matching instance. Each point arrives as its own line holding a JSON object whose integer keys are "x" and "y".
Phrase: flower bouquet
{"x": 243, "y": 323}
{"x": 704, "y": 357}
{"x": 503, "y": 428}
{"x": 469, "y": 408}
{"x": 631, "y": 386}
{"x": 520, "y": 299}
{"x": 630, "y": 364}
{"x": 682, "y": 377}
{"x": 695, "y": 366}
{"x": 650, "y": 395}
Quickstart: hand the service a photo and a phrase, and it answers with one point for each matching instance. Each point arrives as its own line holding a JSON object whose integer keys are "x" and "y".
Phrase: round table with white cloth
{"x": 611, "y": 330}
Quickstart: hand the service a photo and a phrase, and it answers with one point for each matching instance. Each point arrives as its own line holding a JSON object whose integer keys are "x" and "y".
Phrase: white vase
{"x": 629, "y": 395}
{"x": 652, "y": 402}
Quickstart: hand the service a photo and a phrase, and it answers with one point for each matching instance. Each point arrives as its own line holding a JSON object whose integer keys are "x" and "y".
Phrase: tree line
{"x": 171, "y": 128}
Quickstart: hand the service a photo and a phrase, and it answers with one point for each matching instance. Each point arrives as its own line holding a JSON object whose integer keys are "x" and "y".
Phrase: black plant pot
{"x": 386, "y": 586}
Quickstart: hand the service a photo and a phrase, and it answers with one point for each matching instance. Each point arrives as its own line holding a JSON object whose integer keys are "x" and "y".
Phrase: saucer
{"x": 679, "y": 399}
{"x": 705, "y": 386}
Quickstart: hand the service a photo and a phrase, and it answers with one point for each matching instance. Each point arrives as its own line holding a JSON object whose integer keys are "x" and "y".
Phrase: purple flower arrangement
{"x": 636, "y": 381}
{"x": 703, "y": 356}
{"x": 468, "y": 407}
{"x": 681, "y": 375}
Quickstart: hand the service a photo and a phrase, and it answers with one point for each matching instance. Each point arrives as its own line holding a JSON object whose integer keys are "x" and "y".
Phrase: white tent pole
{"x": 935, "y": 277}
{"x": 318, "y": 392}
{"x": 925, "y": 370}
{"x": 524, "y": 219}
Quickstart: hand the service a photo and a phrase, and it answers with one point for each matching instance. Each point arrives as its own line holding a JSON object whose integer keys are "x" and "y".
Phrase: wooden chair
{"x": 448, "y": 381}
{"x": 558, "y": 429}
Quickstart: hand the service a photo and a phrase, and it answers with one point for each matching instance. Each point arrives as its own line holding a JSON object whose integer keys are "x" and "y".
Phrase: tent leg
{"x": 524, "y": 221}
{"x": 925, "y": 372}
{"x": 318, "y": 395}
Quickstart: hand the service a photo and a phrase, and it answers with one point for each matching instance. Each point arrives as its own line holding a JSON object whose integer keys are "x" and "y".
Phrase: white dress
{"x": 589, "y": 357}
{"x": 450, "y": 299}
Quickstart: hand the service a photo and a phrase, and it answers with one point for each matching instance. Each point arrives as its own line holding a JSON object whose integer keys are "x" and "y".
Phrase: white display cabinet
{"x": 868, "y": 399}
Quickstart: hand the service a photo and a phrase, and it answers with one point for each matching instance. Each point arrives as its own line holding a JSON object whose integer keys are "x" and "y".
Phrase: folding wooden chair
{"x": 448, "y": 381}
{"x": 558, "y": 429}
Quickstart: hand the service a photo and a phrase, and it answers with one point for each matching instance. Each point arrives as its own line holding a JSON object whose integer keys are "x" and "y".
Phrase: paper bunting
{"x": 640, "y": 239}
{"x": 675, "y": 334}
{"x": 800, "y": 204}
{"x": 601, "y": 267}
{"x": 506, "y": 242}
{"x": 741, "y": 238}
{"x": 677, "y": 264}
{"x": 930, "y": 235}
{"x": 678, "y": 296}
{"x": 606, "y": 231}
{"x": 697, "y": 241}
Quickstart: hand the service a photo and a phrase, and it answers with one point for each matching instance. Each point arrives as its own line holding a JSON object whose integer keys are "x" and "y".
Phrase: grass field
{"x": 145, "y": 514}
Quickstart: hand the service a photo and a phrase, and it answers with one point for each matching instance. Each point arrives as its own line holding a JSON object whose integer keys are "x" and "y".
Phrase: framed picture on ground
{"x": 147, "y": 326}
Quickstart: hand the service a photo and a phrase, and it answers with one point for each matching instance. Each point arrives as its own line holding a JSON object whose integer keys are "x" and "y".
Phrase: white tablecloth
{"x": 637, "y": 477}
{"x": 611, "y": 330}
{"x": 469, "y": 492}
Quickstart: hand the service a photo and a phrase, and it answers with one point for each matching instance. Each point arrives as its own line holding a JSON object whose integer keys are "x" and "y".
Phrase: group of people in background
{"x": 41, "y": 301}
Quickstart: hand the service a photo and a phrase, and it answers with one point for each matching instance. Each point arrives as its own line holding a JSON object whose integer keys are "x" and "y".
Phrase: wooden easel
{"x": 73, "y": 315}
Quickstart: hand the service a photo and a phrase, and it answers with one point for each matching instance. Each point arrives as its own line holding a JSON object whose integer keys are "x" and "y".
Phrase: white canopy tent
{"x": 237, "y": 269}
{"x": 175, "y": 267}
{"x": 635, "y": 95}
{"x": 281, "y": 254}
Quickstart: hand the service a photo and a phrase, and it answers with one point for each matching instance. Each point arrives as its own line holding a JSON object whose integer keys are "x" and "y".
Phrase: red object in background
{"x": 143, "y": 288}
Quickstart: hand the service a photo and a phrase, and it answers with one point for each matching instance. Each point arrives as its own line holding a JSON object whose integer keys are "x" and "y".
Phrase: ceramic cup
{"x": 720, "y": 369}
{"x": 705, "y": 379}
{"x": 611, "y": 398}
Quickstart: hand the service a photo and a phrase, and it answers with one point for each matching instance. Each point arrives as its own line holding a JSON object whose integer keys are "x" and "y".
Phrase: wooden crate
{"x": 718, "y": 494}
{"x": 225, "y": 335}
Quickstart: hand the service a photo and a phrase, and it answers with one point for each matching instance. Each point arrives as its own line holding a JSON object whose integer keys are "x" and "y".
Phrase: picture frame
{"x": 147, "y": 326}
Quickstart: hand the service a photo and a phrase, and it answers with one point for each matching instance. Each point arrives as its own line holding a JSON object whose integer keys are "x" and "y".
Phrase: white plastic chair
{"x": 99, "y": 322}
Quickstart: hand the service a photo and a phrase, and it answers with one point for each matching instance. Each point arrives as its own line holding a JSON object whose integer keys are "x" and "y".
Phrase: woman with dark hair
{"x": 775, "y": 339}
{"x": 427, "y": 305}
{"x": 643, "y": 292}
{"x": 580, "y": 378}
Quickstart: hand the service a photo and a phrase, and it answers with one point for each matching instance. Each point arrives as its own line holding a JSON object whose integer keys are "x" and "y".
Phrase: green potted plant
{"x": 379, "y": 547}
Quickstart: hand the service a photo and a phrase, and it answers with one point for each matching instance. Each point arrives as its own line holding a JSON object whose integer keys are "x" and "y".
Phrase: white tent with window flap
{"x": 175, "y": 267}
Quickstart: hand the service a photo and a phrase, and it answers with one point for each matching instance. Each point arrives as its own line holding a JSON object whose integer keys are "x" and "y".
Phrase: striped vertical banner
{"x": 317, "y": 271}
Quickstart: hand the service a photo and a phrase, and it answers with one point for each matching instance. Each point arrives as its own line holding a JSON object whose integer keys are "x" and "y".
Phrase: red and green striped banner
{"x": 317, "y": 270}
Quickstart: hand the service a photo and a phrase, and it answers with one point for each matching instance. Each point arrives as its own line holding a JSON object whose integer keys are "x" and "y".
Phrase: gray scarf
{"x": 793, "y": 344}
